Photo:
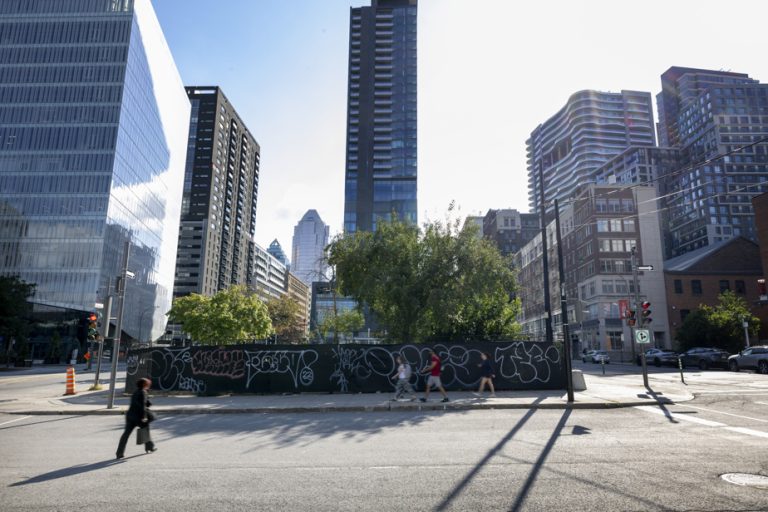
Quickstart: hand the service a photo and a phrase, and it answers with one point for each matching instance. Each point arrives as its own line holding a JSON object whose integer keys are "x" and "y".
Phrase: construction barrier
{"x": 70, "y": 380}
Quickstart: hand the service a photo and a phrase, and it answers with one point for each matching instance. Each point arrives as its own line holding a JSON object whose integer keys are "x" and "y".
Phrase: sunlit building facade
{"x": 93, "y": 128}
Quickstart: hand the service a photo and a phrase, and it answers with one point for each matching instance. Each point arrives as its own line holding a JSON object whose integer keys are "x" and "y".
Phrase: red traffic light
{"x": 92, "y": 317}
{"x": 646, "y": 305}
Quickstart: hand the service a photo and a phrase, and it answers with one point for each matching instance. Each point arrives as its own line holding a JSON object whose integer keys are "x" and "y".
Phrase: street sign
{"x": 642, "y": 336}
{"x": 645, "y": 267}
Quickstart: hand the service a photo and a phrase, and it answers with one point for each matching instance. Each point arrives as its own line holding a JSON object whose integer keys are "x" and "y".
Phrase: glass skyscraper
{"x": 381, "y": 165}
{"x": 93, "y": 128}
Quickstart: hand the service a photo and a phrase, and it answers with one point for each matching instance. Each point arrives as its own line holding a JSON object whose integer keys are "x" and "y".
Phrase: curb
{"x": 353, "y": 408}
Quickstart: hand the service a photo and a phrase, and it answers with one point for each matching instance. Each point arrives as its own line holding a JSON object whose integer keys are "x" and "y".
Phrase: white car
{"x": 596, "y": 356}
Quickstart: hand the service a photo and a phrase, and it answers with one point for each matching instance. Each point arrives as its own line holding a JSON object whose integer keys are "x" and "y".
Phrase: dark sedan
{"x": 705, "y": 357}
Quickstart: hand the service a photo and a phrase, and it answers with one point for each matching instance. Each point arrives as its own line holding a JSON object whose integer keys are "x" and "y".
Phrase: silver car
{"x": 600, "y": 356}
{"x": 752, "y": 358}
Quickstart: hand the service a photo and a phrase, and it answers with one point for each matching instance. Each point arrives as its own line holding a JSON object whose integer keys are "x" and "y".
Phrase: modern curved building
{"x": 589, "y": 130}
{"x": 93, "y": 132}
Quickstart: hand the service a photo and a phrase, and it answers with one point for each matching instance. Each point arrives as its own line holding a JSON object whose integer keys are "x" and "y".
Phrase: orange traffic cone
{"x": 70, "y": 380}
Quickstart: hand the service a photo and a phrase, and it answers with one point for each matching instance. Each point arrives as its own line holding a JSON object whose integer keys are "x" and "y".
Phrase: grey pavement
{"x": 609, "y": 391}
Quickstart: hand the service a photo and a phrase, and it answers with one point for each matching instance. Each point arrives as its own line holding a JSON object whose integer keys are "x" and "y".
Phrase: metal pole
{"x": 119, "y": 324}
{"x": 745, "y": 324}
{"x": 545, "y": 260}
{"x": 638, "y": 316}
{"x": 104, "y": 335}
{"x": 563, "y": 306}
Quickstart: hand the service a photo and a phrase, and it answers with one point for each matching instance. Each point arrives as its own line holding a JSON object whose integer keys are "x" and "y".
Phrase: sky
{"x": 489, "y": 72}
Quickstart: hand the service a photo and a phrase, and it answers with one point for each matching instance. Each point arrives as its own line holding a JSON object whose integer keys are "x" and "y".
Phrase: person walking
{"x": 138, "y": 415}
{"x": 434, "y": 368}
{"x": 403, "y": 376}
{"x": 486, "y": 375}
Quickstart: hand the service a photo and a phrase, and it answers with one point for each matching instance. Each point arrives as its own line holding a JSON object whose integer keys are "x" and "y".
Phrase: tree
{"x": 229, "y": 317}
{"x": 286, "y": 316}
{"x": 719, "y": 326}
{"x": 341, "y": 322}
{"x": 442, "y": 283}
{"x": 15, "y": 310}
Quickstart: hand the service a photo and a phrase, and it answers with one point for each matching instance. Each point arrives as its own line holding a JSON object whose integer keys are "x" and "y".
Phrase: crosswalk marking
{"x": 701, "y": 421}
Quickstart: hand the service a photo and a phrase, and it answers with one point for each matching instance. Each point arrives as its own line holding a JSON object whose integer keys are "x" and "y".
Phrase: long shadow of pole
{"x": 493, "y": 451}
{"x": 523, "y": 494}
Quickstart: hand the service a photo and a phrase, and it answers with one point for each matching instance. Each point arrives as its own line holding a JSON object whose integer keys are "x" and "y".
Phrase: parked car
{"x": 596, "y": 356}
{"x": 659, "y": 357}
{"x": 705, "y": 358}
{"x": 752, "y": 358}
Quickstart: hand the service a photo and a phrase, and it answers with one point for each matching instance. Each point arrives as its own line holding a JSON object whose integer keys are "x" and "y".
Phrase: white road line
{"x": 725, "y": 413}
{"x": 17, "y": 419}
{"x": 683, "y": 417}
{"x": 762, "y": 403}
{"x": 748, "y": 431}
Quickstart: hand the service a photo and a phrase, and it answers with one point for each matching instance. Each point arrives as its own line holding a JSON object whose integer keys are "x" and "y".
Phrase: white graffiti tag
{"x": 296, "y": 363}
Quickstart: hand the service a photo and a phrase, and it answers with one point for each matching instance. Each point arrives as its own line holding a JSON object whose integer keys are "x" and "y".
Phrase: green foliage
{"x": 342, "y": 322}
{"x": 229, "y": 317}
{"x": 14, "y": 311}
{"x": 286, "y": 316}
{"x": 719, "y": 326}
{"x": 444, "y": 283}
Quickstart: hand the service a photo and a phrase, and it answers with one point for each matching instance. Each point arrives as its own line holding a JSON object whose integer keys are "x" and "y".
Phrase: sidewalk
{"x": 603, "y": 392}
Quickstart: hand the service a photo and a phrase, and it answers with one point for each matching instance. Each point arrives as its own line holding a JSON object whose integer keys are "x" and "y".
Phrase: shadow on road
{"x": 289, "y": 429}
{"x": 70, "y": 471}
{"x": 488, "y": 456}
{"x": 523, "y": 494}
{"x": 660, "y": 401}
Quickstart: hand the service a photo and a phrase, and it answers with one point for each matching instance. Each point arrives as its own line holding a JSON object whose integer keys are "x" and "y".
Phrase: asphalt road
{"x": 623, "y": 459}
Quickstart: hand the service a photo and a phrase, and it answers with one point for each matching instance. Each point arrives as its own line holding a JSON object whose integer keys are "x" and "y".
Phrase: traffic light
{"x": 93, "y": 330}
{"x": 761, "y": 289}
{"x": 631, "y": 318}
{"x": 646, "y": 312}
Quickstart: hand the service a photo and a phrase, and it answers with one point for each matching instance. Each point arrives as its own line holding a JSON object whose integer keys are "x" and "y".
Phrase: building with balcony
{"x": 93, "y": 128}
{"x": 591, "y": 129}
{"x": 218, "y": 211}
{"x": 719, "y": 122}
{"x": 381, "y": 167}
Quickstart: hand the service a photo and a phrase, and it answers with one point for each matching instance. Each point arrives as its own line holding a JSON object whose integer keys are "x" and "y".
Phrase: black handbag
{"x": 142, "y": 435}
{"x": 150, "y": 416}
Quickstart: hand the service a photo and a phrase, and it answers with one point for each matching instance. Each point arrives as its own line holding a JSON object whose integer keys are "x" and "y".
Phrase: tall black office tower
{"x": 381, "y": 115}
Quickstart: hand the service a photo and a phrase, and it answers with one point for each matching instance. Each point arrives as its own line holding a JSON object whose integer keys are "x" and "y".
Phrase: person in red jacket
{"x": 434, "y": 368}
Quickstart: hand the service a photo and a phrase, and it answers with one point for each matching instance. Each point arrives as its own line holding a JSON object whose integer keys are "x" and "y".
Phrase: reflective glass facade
{"x": 381, "y": 166}
{"x": 93, "y": 125}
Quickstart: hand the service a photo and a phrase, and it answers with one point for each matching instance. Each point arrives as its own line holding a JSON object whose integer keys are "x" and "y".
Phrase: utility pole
{"x": 119, "y": 324}
{"x": 545, "y": 260}
{"x": 563, "y": 306}
{"x": 640, "y": 320}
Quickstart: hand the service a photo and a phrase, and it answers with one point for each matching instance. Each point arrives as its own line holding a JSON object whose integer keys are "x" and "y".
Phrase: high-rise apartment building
{"x": 218, "y": 211}
{"x": 717, "y": 120}
{"x": 381, "y": 170}
{"x": 93, "y": 124}
{"x": 588, "y": 131}
{"x": 310, "y": 237}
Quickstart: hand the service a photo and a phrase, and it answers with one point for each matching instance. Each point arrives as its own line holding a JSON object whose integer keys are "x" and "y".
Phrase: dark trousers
{"x": 129, "y": 426}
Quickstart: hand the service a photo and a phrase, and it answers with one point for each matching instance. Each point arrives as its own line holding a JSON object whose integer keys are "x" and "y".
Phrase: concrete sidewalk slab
{"x": 603, "y": 392}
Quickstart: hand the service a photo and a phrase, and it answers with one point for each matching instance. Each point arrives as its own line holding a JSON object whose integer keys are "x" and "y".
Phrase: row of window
{"x": 61, "y": 74}
{"x": 59, "y": 228}
{"x": 63, "y": 54}
{"x": 58, "y": 138}
{"x": 615, "y": 225}
{"x": 616, "y": 245}
{"x": 70, "y": 6}
{"x": 60, "y": 114}
{"x": 724, "y": 285}
{"x": 614, "y": 205}
{"x": 58, "y": 162}
{"x": 55, "y": 184}
{"x": 60, "y": 94}
{"x": 65, "y": 32}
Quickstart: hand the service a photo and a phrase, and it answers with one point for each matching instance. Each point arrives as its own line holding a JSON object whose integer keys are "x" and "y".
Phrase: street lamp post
{"x": 119, "y": 324}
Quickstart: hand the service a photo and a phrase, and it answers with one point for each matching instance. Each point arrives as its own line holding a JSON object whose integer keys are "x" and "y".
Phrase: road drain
{"x": 746, "y": 479}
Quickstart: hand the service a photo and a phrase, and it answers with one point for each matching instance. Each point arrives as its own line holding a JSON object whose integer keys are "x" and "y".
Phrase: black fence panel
{"x": 519, "y": 365}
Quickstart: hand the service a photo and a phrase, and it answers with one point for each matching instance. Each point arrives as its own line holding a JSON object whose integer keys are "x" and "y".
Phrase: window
{"x": 616, "y": 225}
{"x": 696, "y": 287}
{"x": 629, "y": 225}
{"x": 678, "y": 286}
{"x": 725, "y": 285}
{"x": 615, "y": 339}
{"x": 607, "y": 286}
{"x": 740, "y": 287}
{"x": 602, "y": 226}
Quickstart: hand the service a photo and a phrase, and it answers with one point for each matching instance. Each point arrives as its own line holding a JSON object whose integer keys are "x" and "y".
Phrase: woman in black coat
{"x": 138, "y": 415}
